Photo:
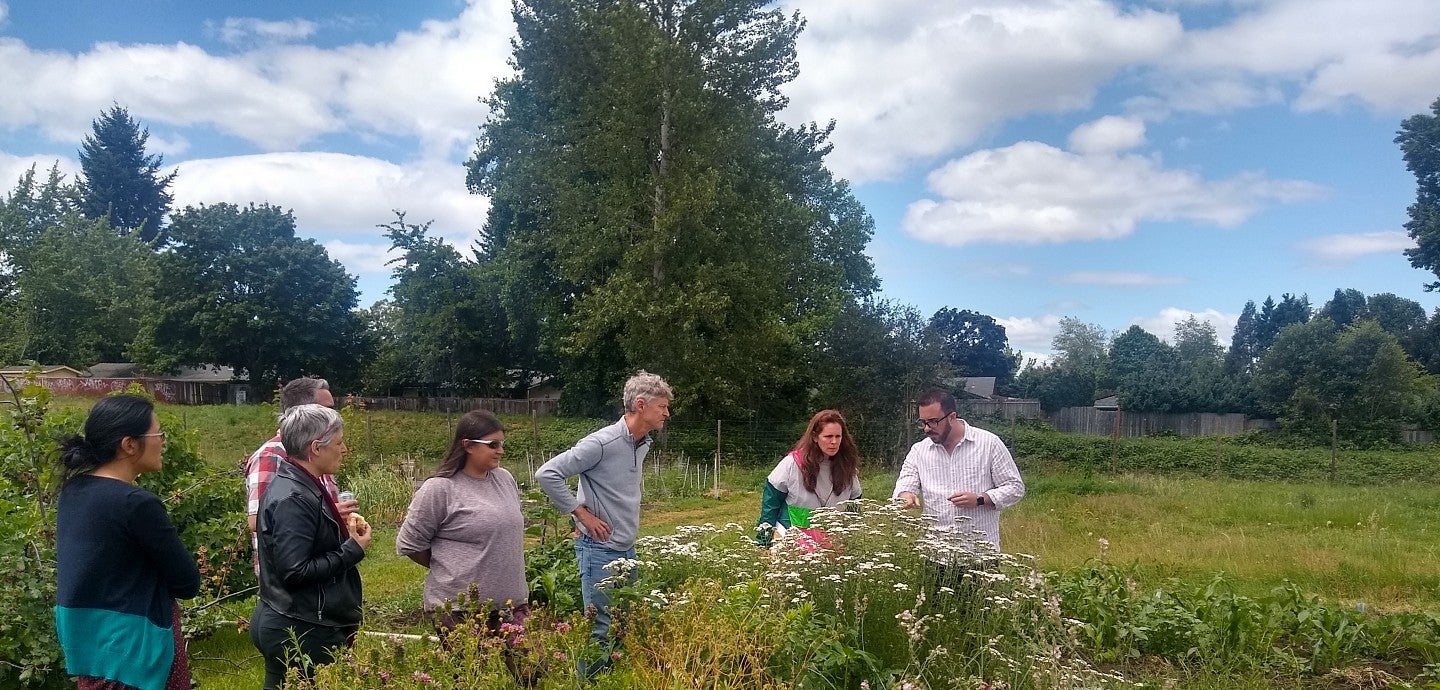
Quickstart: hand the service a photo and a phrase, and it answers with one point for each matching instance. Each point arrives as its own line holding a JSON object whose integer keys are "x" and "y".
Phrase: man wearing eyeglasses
{"x": 261, "y": 465}
{"x": 958, "y": 470}
{"x": 610, "y": 465}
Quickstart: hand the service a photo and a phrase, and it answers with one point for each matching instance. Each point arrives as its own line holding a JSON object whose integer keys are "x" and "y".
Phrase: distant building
{"x": 46, "y": 371}
{"x": 200, "y": 385}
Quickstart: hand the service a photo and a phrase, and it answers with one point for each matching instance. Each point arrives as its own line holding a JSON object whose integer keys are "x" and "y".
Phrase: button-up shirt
{"x": 980, "y": 463}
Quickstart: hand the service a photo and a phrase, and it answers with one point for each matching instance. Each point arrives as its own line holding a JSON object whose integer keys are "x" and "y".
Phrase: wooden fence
{"x": 1098, "y": 422}
{"x": 451, "y": 404}
{"x": 1009, "y": 410}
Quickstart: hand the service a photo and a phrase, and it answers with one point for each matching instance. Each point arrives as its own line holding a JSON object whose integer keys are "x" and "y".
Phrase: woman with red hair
{"x": 822, "y": 472}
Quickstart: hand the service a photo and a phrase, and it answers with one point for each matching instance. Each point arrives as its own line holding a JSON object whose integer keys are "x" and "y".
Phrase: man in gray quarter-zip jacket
{"x": 610, "y": 465}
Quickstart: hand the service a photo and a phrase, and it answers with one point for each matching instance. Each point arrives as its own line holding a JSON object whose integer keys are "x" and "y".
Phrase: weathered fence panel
{"x": 455, "y": 404}
{"x": 1099, "y": 422}
{"x": 1009, "y": 410}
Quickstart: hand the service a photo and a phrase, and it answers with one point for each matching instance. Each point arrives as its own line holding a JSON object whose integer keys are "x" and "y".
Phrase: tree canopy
{"x": 975, "y": 345}
{"x": 649, "y": 211}
{"x": 238, "y": 288}
{"x": 1419, "y": 140}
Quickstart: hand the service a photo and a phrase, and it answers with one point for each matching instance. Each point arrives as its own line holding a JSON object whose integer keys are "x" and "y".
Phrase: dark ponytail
{"x": 110, "y": 421}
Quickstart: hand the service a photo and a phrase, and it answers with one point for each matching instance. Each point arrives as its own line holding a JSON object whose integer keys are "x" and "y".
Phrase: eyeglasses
{"x": 927, "y": 423}
{"x": 161, "y": 434}
{"x": 491, "y": 443}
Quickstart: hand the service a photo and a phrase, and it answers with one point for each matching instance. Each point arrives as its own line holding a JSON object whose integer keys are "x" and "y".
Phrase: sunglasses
{"x": 491, "y": 443}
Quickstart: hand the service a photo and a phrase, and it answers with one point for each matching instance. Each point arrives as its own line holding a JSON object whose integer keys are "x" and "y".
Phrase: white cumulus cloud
{"x": 1348, "y": 247}
{"x": 1033, "y": 193}
{"x": 338, "y": 194}
{"x": 1163, "y": 323}
{"x": 1384, "y": 54}
{"x": 424, "y": 84}
{"x": 1109, "y": 134}
{"x": 361, "y": 257}
{"x": 913, "y": 79}
{"x": 1029, "y": 333}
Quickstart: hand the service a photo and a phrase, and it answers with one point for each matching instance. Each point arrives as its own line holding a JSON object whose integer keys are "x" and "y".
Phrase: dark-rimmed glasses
{"x": 927, "y": 423}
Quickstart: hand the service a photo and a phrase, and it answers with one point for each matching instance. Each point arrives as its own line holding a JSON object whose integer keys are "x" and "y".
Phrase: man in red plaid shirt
{"x": 260, "y": 467}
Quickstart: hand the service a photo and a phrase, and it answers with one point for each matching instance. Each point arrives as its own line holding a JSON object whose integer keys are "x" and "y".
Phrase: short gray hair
{"x": 301, "y": 391}
{"x": 645, "y": 385}
{"x": 304, "y": 424}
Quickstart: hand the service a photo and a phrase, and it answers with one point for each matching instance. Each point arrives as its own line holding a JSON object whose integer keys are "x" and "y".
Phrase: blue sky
{"x": 1121, "y": 162}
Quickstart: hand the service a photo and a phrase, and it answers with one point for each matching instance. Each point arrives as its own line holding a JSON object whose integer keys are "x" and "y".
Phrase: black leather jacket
{"x": 306, "y": 572}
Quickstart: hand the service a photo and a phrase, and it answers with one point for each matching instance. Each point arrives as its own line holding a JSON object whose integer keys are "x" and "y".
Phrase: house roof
{"x": 980, "y": 386}
{"x": 1111, "y": 402}
{"x": 21, "y": 370}
{"x": 205, "y": 373}
{"x": 113, "y": 370}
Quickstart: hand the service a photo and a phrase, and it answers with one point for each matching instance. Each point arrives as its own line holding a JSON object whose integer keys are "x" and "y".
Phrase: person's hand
{"x": 362, "y": 534}
{"x": 907, "y": 500}
{"x": 964, "y": 499}
{"x": 347, "y": 507}
{"x": 598, "y": 529}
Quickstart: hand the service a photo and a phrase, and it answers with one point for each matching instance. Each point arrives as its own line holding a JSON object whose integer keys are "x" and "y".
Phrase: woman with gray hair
{"x": 309, "y": 582}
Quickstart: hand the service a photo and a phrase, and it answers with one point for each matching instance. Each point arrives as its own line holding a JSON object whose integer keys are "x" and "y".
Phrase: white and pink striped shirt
{"x": 980, "y": 463}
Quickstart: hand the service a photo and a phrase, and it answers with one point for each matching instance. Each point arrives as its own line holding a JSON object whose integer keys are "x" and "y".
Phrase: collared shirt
{"x": 980, "y": 463}
{"x": 259, "y": 470}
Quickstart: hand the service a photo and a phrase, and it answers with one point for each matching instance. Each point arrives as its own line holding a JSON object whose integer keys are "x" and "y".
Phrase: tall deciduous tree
{"x": 1419, "y": 140}
{"x": 121, "y": 180}
{"x": 1077, "y": 373}
{"x": 648, "y": 210}
{"x": 876, "y": 357}
{"x": 976, "y": 345}
{"x": 448, "y": 328}
{"x": 72, "y": 290}
{"x": 238, "y": 288}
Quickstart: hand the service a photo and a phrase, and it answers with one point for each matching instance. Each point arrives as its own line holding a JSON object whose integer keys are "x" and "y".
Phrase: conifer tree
{"x": 121, "y": 180}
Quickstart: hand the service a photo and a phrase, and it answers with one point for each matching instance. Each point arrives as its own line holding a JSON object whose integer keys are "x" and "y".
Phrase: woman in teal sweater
{"x": 120, "y": 564}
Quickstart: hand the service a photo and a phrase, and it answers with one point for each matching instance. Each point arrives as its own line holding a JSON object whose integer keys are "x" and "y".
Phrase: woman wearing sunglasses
{"x": 465, "y": 525}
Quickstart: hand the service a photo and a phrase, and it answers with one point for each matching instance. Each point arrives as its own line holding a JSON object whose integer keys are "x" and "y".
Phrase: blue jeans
{"x": 592, "y": 557}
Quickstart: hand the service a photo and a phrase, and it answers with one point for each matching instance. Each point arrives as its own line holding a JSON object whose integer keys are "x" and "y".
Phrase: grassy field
{"x": 1347, "y": 544}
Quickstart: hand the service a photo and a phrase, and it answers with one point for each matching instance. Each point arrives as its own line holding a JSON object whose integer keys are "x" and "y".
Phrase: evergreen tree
{"x": 122, "y": 181}
{"x": 1345, "y": 308}
{"x": 648, "y": 210}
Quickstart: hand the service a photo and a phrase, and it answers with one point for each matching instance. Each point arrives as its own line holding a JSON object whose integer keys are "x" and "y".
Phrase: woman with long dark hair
{"x": 465, "y": 525}
{"x": 119, "y": 562}
{"x": 821, "y": 472}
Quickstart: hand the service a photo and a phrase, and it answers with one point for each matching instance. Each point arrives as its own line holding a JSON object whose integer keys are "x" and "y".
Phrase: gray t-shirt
{"x": 475, "y": 533}
{"x": 786, "y": 477}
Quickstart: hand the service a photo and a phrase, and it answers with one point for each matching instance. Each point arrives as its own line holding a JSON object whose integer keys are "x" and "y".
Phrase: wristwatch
{"x": 980, "y": 500}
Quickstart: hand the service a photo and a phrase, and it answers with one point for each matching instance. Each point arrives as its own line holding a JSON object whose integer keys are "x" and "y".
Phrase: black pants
{"x": 271, "y": 633}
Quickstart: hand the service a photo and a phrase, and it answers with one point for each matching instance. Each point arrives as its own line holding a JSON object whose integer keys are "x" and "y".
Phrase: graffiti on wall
{"x": 164, "y": 391}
